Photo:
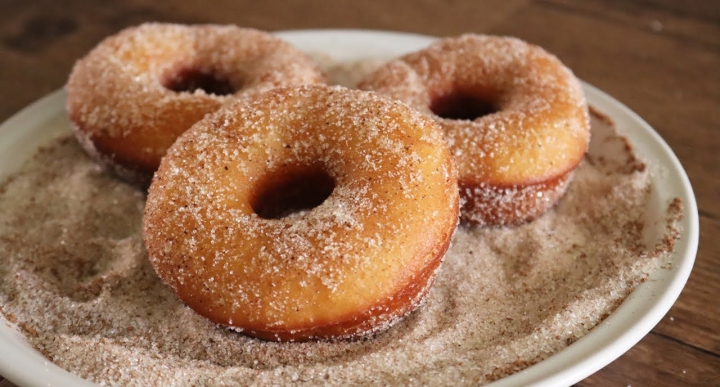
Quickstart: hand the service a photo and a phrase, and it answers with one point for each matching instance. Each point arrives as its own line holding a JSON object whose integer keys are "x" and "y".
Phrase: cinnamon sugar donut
{"x": 307, "y": 212}
{"x": 514, "y": 116}
{"x": 137, "y": 91}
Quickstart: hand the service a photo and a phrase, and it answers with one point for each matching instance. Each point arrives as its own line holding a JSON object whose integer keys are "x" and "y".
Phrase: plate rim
{"x": 544, "y": 373}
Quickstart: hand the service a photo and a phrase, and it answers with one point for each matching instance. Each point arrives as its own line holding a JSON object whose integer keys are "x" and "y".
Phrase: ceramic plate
{"x": 23, "y": 133}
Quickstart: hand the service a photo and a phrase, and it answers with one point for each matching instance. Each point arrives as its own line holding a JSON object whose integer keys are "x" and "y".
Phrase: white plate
{"x": 21, "y": 134}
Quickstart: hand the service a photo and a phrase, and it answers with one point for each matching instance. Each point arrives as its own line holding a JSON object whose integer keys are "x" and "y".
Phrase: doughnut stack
{"x": 291, "y": 210}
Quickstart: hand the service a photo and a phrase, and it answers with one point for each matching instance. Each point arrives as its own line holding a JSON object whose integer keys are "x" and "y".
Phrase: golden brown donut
{"x": 515, "y": 119}
{"x": 302, "y": 213}
{"x": 138, "y": 90}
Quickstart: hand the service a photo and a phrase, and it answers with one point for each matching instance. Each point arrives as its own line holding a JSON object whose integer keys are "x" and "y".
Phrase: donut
{"x": 132, "y": 95}
{"x": 514, "y": 116}
{"x": 310, "y": 212}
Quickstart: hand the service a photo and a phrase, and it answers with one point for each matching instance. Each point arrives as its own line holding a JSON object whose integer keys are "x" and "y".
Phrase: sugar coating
{"x": 513, "y": 163}
{"x": 118, "y": 95}
{"x": 354, "y": 254}
{"x": 77, "y": 282}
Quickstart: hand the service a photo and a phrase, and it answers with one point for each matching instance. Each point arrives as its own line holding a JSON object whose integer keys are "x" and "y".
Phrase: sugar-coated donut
{"x": 304, "y": 212}
{"x": 138, "y": 90}
{"x": 515, "y": 119}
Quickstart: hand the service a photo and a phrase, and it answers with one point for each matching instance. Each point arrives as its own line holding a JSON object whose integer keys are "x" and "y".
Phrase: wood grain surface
{"x": 659, "y": 57}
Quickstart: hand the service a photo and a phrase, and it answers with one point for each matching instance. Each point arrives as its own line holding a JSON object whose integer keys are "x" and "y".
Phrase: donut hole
{"x": 461, "y": 105}
{"x": 188, "y": 80}
{"x": 291, "y": 191}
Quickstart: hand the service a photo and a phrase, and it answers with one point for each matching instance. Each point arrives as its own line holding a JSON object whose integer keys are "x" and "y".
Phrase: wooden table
{"x": 659, "y": 57}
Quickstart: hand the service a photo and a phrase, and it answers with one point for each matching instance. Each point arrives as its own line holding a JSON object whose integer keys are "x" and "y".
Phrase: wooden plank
{"x": 658, "y": 16}
{"x": 422, "y": 16}
{"x": 659, "y": 361}
{"x": 697, "y": 9}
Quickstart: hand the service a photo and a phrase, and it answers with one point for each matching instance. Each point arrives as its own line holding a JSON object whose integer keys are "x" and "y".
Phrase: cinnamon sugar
{"x": 76, "y": 279}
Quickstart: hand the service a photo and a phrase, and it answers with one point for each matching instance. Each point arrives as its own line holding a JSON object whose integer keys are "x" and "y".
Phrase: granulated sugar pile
{"x": 75, "y": 278}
